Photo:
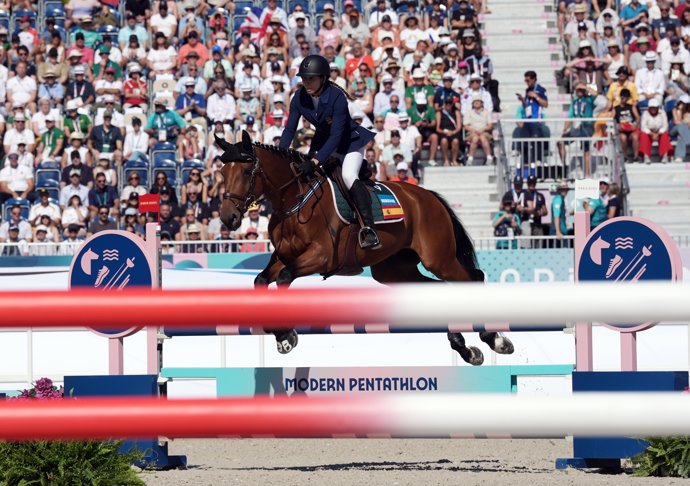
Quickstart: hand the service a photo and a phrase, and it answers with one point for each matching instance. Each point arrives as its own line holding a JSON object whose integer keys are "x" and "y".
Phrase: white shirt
{"x": 67, "y": 192}
{"x": 21, "y": 88}
{"x": 70, "y": 215}
{"x": 40, "y": 119}
{"x": 37, "y": 210}
{"x": 141, "y": 190}
{"x": 648, "y": 82}
{"x": 104, "y": 84}
{"x": 382, "y": 101}
{"x": 13, "y": 137}
{"x": 658, "y": 123}
{"x": 261, "y": 226}
{"x": 668, "y": 55}
{"x": 466, "y": 100}
{"x": 218, "y": 107}
{"x": 118, "y": 119}
{"x": 162, "y": 59}
{"x": 271, "y": 132}
{"x": 376, "y": 15}
{"x": 410, "y": 37}
{"x": 408, "y": 136}
{"x": 17, "y": 178}
{"x": 24, "y": 230}
{"x": 167, "y": 24}
{"x": 136, "y": 142}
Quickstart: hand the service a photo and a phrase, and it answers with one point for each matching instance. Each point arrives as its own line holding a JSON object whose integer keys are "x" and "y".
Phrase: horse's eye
{"x": 247, "y": 172}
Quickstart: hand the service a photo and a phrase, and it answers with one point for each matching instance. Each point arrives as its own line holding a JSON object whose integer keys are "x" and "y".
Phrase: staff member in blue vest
{"x": 324, "y": 104}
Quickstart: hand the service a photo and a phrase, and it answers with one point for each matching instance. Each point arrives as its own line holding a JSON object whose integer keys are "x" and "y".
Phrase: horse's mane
{"x": 286, "y": 153}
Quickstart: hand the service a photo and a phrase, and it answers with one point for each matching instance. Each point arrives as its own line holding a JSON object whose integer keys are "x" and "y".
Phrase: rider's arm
{"x": 291, "y": 126}
{"x": 340, "y": 116}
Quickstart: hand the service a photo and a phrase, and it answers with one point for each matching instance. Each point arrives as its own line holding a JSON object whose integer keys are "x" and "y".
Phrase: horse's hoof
{"x": 503, "y": 345}
{"x": 472, "y": 355}
{"x": 287, "y": 342}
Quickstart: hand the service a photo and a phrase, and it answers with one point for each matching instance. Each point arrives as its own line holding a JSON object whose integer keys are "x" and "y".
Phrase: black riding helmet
{"x": 314, "y": 65}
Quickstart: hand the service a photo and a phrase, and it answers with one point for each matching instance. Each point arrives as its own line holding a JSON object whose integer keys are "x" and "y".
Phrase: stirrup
{"x": 368, "y": 238}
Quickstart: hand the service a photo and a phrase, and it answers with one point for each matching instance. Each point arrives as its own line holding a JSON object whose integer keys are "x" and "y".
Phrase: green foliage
{"x": 665, "y": 456}
{"x": 67, "y": 463}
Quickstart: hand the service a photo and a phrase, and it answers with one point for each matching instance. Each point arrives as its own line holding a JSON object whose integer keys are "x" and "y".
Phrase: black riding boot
{"x": 367, "y": 235}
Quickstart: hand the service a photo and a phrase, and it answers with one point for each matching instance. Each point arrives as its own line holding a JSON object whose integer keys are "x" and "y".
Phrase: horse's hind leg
{"x": 402, "y": 267}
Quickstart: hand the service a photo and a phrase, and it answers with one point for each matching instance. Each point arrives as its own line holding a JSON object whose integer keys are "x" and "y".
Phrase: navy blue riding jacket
{"x": 335, "y": 131}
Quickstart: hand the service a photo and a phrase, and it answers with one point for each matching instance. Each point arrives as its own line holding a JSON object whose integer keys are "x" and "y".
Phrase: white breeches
{"x": 352, "y": 162}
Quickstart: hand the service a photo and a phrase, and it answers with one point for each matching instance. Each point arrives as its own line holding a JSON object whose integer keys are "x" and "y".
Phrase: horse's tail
{"x": 464, "y": 248}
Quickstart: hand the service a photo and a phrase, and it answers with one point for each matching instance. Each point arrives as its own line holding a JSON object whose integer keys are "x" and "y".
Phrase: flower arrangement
{"x": 42, "y": 389}
{"x": 57, "y": 463}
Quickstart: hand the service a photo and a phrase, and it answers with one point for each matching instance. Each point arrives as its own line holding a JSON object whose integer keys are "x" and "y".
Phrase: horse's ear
{"x": 230, "y": 152}
{"x": 246, "y": 141}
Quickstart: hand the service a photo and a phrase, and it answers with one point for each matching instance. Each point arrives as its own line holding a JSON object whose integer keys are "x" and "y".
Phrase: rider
{"x": 324, "y": 104}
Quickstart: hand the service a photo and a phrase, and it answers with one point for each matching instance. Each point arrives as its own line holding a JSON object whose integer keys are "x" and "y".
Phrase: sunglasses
{"x": 160, "y": 178}
{"x": 103, "y": 213}
{"x": 195, "y": 174}
{"x": 133, "y": 179}
{"x": 192, "y": 193}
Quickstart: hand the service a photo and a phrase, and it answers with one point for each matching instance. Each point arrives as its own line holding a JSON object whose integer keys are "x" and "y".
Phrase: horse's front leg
{"x": 269, "y": 274}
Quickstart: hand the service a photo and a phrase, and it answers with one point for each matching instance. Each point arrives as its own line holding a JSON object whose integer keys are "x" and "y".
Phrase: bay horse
{"x": 310, "y": 238}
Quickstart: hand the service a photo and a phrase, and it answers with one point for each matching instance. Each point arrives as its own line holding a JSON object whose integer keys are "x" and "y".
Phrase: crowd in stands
{"x": 104, "y": 101}
{"x": 628, "y": 61}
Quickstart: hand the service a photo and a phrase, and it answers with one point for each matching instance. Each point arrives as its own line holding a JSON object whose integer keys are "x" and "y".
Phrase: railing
{"x": 538, "y": 147}
{"x": 259, "y": 246}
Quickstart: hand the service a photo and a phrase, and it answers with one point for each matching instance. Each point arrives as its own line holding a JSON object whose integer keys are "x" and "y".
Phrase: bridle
{"x": 242, "y": 202}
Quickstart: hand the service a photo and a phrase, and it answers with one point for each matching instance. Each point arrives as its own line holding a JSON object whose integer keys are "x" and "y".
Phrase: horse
{"x": 309, "y": 237}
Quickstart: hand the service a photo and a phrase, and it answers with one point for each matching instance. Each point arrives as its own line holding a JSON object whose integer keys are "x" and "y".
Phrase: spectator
{"x": 103, "y": 195}
{"x": 136, "y": 143}
{"x": 479, "y": 128}
{"x": 102, "y": 222}
{"x": 13, "y": 245}
{"x": 75, "y": 188}
{"x": 475, "y": 90}
{"x": 536, "y": 207}
{"x": 654, "y": 128}
{"x": 650, "y": 81}
{"x": 355, "y": 30}
{"x": 410, "y": 138}
{"x": 22, "y": 88}
{"x": 79, "y": 92}
{"x": 104, "y": 167}
{"x": 16, "y": 181}
{"x": 252, "y": 235}
{"x": 75, "y": 123}
{"x": 132, "y": 28}
{"x": 189, "y": 220}
{"x": 254, "y": 220}
{"x": 193, "y": 45}
{"x": 381, "y": 15}
{"x": 276, "y": 129}
{"x": 221, "y": 105}
{"x": 622, "y": 83}
{"x": 580, "y": 124}
{"x": 449, "y": 131}
{"x": 382, "y": 98}
{"x": 613, "y": 204}
{"x": 161, "y": 58}
{"x": 164, "y": 125}
{"x": 133, "y": 186}
{"x": 188, "y": 145}
{"x": 19, "y": 133}
{"x": 44, "y": 207}
{"x": 402, "y": 170}
{"x": 506, "y": 224}
{"x": 17, "y": 221}
{"x": 70, "y": 245}
{"x": 163, "y": 22}
{"x": 107, "y": 139}
{"x": 42, "y": 245}
{"x": 637, "y": 59}
{"x": 675, "y": 53}
{"x": 681, "y": 126}
{"x": 193, "y": 235}
{"x": 167, "y": 221}
{"x": 277, "y": 13}
{"x": 597, "y": 207}
{"x": 559, "y": 212}
{"x": 79, "y": 155}
{"x": 135, "y": 89}
{"x": 162, "y": 186}
{"x": 630, "y": 16}
{"x": 195, "y": 184}
{"x": 665, "y": 23}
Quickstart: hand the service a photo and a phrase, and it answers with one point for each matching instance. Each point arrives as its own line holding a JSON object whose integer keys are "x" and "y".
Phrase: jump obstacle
{"x": 406, "y": 308}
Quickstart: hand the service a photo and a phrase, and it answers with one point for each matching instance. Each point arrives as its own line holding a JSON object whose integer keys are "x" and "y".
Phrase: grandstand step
{"x": 530, "y": 9}
{"x": 663, "y": 214}
{"x": 648, "y": 196}
{"x": 657, "y": 173}
{"x": 537, "y": 59}
{"x": 527, "y": 43}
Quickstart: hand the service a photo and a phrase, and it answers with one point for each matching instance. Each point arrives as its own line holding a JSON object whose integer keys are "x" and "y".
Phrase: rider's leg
{"x": 351, "y": 165}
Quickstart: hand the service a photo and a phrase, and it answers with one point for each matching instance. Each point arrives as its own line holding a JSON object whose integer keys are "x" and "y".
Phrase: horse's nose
{"x": 232, "y": 221}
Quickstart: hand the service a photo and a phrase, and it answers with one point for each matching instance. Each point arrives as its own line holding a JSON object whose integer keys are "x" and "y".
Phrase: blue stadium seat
{"x": 306, "y": 5}
{"x": 138, "y": 166}
{"x": 163, "y": 151}
{"x": 45, "y": 177}
{"x": 49, "y": 164}
{"x": 5, "y": 19}
{"x": 50, "y": 185}
{"x": 23, "y": 203}
{"x": 51, "y": 5}
{"x": 188, "y": 166}
{"x": 240, "y": 5}
{"x": 109, "y": 31}
{"x": 319, "y": 4}
{"x": 237, "y": 22}
{"x": 169, "y": 168}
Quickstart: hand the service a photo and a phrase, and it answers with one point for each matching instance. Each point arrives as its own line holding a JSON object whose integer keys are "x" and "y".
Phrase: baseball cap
{"x": 130, "y": 212}
{"x": 249, "y": 120}
{"x": 517, "y": 179}
{"x": 278, "y": 98}
{"x": 278, "y": 114}
{"x": 216, "y": 50}
{"x": 402, "y": 166}
{"x": 104, "y": 50}
{"x": 605, "y": 180}
{"x": 387, "y": 78}
{"x": 190, "y": 82}
{"x": 653, "y": 103}
{"x": 14, "y": 227}
{"x": 79, "y": 70}
{"x": 41, "y": 227}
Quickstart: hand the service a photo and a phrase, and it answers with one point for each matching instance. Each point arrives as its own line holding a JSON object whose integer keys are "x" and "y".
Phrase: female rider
{"x": 324, "y": 104}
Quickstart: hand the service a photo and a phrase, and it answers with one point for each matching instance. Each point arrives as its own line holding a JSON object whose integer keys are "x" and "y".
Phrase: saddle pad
{"x": 384, "y": 204}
